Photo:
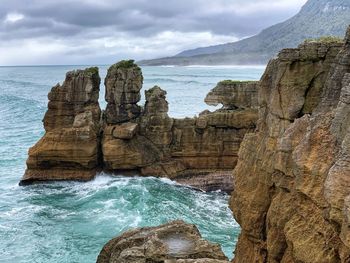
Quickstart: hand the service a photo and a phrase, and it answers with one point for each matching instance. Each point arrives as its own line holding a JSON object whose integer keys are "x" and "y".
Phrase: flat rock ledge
{"x": 174, "y": 242}
{"x": 207, "y": 180}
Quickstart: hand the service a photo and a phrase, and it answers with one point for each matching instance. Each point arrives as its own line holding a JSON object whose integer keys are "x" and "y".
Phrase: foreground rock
{"x": 292, "y": 180}
{"x": 174, "y": 242}
{"x": 70, "y": 147}
{"x": 197, "y": 151}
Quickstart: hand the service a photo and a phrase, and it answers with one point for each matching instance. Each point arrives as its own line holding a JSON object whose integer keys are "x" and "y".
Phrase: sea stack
{"x": 123, "y": 84}
{"x": 69, "y": 150}
{"x": 79, "y": 140}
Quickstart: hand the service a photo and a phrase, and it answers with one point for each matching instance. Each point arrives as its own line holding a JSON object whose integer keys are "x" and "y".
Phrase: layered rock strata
{"x": 123, "y": 84}
{"x": 174, "y": 242}
{"x": 292, "y": 180}
{"x": 70, "y": 147}
{"x": 234, "y": 94}
{"x": 198, "y": 150}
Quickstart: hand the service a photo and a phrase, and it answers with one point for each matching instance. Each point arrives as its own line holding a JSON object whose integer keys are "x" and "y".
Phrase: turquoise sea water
{"x": 71, "y": 221}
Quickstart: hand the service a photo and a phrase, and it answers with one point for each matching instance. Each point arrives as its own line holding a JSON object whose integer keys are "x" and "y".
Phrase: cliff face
{"x": 292, "y": 179}
{"x": 78, "y": 140}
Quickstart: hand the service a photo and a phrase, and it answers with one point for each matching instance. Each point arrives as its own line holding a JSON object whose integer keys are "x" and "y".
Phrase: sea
{"x": 71, "y": 221}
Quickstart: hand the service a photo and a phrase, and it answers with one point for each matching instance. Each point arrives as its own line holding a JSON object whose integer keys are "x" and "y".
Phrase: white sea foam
{"x": 227, "y": 66}
{"x": 70, "y": 221}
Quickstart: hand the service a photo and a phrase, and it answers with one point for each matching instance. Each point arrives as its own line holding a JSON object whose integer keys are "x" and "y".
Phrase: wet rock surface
{"x": 292, "y": 182}
{"x": 176, "y": 241}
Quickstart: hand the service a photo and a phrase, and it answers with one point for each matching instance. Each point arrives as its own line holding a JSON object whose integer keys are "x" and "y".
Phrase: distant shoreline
{"x": 160, "y": 66}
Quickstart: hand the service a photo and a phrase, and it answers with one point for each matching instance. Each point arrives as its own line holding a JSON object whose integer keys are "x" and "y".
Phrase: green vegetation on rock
{"x": 91, "y": 71}
{"x": 125, "y": 64}
{"x": 324, "y": 39}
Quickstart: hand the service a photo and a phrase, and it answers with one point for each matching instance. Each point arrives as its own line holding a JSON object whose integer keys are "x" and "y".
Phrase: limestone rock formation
{"x": 156, "y": 125}
{"x": 174, "y": 242}
{"x": 180, "y": 148}
{"x": 199, "y": 151}
{"x": 70, "y": 146}
{"x": 234, "y": 94}
{"x": 123, "y": 84}
{"x": 292, "y": 186}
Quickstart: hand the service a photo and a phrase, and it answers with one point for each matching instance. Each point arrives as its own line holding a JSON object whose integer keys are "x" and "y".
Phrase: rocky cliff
{"x": 292, "y": 180}
{"x": 292, "y": 173}
{"x": 70, "y": 147}
{"x": 79, "y": 140}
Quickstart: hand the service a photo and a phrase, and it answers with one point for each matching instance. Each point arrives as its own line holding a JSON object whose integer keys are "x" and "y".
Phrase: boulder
{"x": 176, "y": 241}
{"x": 127, "y": 154}
{"x": 125, "y": 131}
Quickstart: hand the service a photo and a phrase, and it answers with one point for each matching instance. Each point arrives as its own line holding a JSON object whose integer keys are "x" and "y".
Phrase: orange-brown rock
{"x": 292, "y": 186}
{"x": 163, "y": 146}
{"x": 174, "y": 242}
{"x": 234, "y": 94}
{"x": 70, "y": 147}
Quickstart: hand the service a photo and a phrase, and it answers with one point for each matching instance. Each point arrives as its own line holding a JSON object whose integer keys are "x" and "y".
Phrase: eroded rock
{"x": 169, "y": 147}
{"x": 156, "y": 125}
{"x": 123, "y": 84}
{"x": 234, "y": 94}
{"x": 125, "y": 131}
{"x": 147, "y": 140}
{"x": 173, "y": 242}
{"x": 70, "y": 147}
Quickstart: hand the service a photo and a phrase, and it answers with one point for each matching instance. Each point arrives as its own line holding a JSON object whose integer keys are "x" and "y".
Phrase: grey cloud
{"x": 134, "y": 17}
{"x": 81, "y": 28}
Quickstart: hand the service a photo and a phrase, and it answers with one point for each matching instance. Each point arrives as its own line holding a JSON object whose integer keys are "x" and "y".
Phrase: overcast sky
{"x": 40, "y": 32}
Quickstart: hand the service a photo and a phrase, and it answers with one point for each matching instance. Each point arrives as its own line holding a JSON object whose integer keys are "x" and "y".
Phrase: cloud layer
{"x": 103, "y": 31}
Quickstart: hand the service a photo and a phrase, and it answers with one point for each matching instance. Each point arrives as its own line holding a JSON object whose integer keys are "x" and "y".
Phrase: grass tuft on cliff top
{"x": 324, "y": 39}
{"x": 125, "y": 64}
{"x": 91, "y": 71}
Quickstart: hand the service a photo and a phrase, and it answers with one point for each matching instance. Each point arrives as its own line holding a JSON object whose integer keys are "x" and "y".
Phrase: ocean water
{"x": 71, "y": 221}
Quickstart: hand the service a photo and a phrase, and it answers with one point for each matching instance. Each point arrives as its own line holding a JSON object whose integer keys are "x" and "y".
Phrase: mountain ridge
{"x": 315, "y": 19}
